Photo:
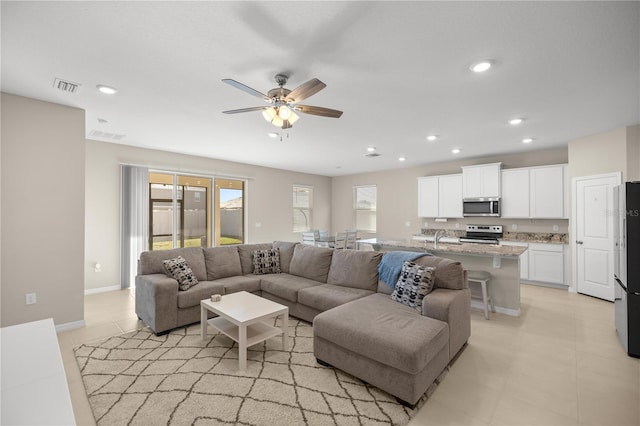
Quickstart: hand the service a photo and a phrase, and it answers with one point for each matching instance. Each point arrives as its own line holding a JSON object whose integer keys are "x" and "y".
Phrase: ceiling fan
{"x": 283, "y": 103}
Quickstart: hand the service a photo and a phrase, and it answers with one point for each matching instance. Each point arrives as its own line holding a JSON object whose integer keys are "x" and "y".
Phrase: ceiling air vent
{"x": 106, "y": 135}
{"x": 372, "y": 155}
{"x": 65, "y": 85}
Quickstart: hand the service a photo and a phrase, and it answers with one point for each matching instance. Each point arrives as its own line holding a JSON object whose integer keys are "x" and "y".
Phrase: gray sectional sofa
{"x": 357, "y": 327}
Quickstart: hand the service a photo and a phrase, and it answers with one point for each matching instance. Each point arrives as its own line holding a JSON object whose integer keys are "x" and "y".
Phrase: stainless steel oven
{"x": 481, "y": 207}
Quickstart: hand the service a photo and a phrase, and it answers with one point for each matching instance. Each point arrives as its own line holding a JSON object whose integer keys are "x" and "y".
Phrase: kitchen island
{"x": 502, "y": 262}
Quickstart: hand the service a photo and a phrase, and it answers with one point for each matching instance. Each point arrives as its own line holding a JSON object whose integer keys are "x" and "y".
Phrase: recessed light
{"x": 455, "y": 151}
{"x": 102, "y": 121}
{"x": 481, "y": 66}
{"x": 432, "y": 138}
{"x": 272, "y": 135}
{"x": 527, "y": 140}
{"x": 515, "y": 121}
{"x": 106, "y": 89}
{"x": 371, "y": 149}
{"x": 402, "y": 159}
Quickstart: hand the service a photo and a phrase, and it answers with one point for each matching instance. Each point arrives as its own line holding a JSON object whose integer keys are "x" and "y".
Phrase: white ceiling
{"x": 398, "y": 70}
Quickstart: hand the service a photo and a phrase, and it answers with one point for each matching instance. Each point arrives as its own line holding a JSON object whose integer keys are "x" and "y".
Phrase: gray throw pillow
{"x": 414, "y": 284}
{"x": 181, "y": 272}
{"x": 266, "y": 261}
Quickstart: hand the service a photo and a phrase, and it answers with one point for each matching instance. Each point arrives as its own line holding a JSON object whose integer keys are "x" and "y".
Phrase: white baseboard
{"x": 101, "y": 289}
{"x": 69, "y": 326}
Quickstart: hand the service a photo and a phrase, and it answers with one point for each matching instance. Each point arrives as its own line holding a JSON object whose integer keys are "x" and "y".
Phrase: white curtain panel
{"x": 134, "y": 220}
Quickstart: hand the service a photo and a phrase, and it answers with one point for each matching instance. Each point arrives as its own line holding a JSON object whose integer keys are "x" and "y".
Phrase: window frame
{"x": 372, "y": 211}
{"x": 297, "y": 188}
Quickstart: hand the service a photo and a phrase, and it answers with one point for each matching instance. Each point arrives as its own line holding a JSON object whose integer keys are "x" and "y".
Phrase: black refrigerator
{"x": 627, "y": 265}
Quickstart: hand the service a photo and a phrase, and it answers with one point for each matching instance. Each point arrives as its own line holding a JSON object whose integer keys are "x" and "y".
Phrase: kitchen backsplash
{"x": 528, "y": 237}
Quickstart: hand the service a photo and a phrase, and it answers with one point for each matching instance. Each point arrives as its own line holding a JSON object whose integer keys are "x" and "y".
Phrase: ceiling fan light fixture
{"x": 277, "y": 121}
{"x": 284, "y": 112}
{"x": 293, "y": 117}
{"x": 269, "y": 114}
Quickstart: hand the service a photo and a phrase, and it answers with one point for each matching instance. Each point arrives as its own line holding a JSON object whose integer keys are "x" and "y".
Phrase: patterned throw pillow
{"x": 180, "y": 270}
{"x": 413, "y": 285}
{"x": 266, "y": 261}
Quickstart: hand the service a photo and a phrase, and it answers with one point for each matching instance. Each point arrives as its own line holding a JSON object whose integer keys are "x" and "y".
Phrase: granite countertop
{"x": 455, "y": 248}
{"x": 520, "y": 237}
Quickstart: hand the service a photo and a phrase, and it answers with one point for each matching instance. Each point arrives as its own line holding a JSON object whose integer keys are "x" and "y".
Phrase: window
{"x": 229, "y": 209}
{"x": 302, "y": 205}
{"x": 364, "y": 207}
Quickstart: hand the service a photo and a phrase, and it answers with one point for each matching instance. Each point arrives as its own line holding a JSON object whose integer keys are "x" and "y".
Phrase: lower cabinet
{"x": 546, "y": 263}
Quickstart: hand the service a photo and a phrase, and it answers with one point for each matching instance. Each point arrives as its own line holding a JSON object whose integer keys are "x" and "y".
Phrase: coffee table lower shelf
{"x": 256, "y": 332}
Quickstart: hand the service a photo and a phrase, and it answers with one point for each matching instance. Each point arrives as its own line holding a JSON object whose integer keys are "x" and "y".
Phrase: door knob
{"x": 579, "y": 242}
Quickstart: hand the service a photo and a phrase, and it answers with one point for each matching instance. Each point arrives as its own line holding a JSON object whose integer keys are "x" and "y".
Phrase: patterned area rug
{"x": 179, "y": 379}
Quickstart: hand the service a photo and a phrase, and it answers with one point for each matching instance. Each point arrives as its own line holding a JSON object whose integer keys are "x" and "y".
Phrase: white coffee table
{"x": 241, "y": 317}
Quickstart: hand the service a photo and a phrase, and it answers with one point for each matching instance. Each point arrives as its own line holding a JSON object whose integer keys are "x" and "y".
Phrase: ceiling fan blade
{"x": 305, "y": 90}
{"x": 236, "y": 111}
{"x": 246, "y": 89}
{"x": 321, "y": 111}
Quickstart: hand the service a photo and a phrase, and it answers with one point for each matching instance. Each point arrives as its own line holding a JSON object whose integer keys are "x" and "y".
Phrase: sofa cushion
{"x": 222, "y": 262}
{"x": 449, "y": 273}
{"x": 326, "y": 296}
{"x": 383, "y": 330}
{"x": 246, "y": 255}
{"x": 151, "y": 261}
{"x": 414, "y": 284}
{"x": 266, "y": 261}
{"x": 179, "y": 269}
{"x": 311, "y": 262}
{"x": 286, "y": 253}
{"x": 357, "y": 269}
{"x": 194, "y": 295}
{"x": 240, "y": 283}
{"x": 285, "y": 286}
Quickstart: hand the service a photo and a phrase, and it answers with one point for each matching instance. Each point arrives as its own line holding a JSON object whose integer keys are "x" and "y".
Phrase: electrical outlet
{"x": 457, "y": 225}
{"x": 407, "y": 224}
{"x": 514, "y": 226}
{"x": 258, "y": 224}
{"x": 30, "y": 298}
{"x": 555, "y": 228}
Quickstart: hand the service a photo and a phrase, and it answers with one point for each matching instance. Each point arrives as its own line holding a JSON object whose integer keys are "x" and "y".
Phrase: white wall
{"x": 269, "y": 200}
{"x": 42, "y": 211}
{"x": 398, "y": 195}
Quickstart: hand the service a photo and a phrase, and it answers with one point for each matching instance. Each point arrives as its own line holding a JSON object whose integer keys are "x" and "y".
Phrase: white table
{"x": 241, "y": 317}
{"x": 34, "y": 384}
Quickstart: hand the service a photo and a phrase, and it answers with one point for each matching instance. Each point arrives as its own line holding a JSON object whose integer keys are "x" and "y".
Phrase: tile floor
{"x": 559, "y": 363}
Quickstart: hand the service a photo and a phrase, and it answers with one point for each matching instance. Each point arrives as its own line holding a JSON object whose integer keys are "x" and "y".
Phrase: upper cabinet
{"x": 549, "y": 192}
{"x": 515, "y": 193}
{"x": 535, "y": 192}
{"x": 440, "y": 196}
{"x": 481, "y": 181}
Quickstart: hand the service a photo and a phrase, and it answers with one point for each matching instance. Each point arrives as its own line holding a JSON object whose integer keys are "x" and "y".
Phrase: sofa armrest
{"x": 157, "y": 301}
{"x": 454, "y": 308}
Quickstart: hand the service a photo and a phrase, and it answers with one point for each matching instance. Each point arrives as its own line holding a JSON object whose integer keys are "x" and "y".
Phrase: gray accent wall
{"x": 42, "y": 211}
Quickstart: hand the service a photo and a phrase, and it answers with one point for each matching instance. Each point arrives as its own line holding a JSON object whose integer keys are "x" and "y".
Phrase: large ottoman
{"x": 384, "y": 343}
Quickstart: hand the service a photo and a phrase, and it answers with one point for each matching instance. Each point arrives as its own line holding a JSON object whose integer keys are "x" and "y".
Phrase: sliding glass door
{"x": 229, "y": 211}
{"x": 179, "y": 211}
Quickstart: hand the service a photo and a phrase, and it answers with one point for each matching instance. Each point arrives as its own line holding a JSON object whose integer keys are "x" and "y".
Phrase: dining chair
{"x": 351, "y": 238}
{"x": 323, "y": 238}
{"x": 309, "y": 238}
{"x": 341, "y": 240}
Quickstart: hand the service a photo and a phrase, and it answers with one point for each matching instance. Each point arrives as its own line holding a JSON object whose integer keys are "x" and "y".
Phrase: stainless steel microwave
{"x": 481, "y": 207}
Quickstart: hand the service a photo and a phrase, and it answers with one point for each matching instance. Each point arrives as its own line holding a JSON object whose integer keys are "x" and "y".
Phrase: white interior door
{"x": 593, "y": 242}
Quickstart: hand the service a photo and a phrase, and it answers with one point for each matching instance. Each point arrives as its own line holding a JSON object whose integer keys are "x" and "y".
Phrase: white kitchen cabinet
{"x": 547, "y": 191}
{"x": 547, "y": 263}
{"x": 481, "y": 181}
{"x": 515, "y": 193}
{"x": 524, "y": 258}
{"x": 440, "y": 196}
